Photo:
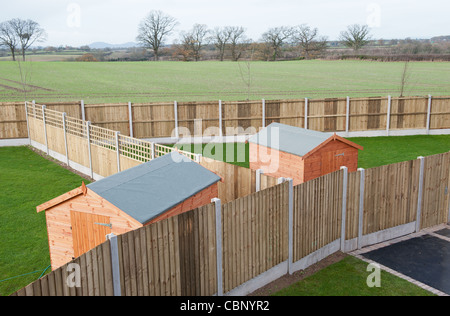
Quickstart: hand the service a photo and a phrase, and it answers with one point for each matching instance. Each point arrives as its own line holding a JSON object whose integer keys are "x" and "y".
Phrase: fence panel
{"x": 109, "y": 116}
{"x": 197, "y": 252}
{"x": 391, "y": 194}
{"x": 13, "y": 123}
{"x": 368, "y": 114}
{"x": 243, "y": 117}
{"x": 435, "y": 201}
{"x": 440, "y": 113}
{"x": 317, "y": 214}
{"x": 255, "y": 235}
{"x": 289, "y": 112}
{"x": 153, "y": 120}
{"x": 409, "y": 113}
{"x": 327, "y": 115}
{"x": 194, "y": 118}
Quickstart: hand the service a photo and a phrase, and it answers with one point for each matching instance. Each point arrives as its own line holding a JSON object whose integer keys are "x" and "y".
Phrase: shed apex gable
{"x": 63, "y": 198}
{"x": 335, "y": 137}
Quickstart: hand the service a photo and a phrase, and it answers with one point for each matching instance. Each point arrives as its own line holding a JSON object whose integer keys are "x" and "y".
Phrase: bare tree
{"x": 356, "y": 36}
{"x": 405, "y": 78}
{"x": 154, "y": 29}
{"x": 238, "y": 41}
{"x": 8, "y": 38}
{"x": 194, "y": 40}
{"x": 27, "y": 32}
{"x": 276, "y": 37}
{"x": 220, "y": 38}
{"x": 246, "y": 74}
{"x": 309, "y": 40}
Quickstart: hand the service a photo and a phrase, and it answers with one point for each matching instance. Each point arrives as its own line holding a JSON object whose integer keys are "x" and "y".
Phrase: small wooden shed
{"x": 167, "y": 186}
{"x": 302, "y": 155}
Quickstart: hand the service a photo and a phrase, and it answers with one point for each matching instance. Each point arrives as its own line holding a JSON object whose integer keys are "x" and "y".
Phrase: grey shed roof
{"x": 289, "y": 139}
{"x": 149, "y": 190}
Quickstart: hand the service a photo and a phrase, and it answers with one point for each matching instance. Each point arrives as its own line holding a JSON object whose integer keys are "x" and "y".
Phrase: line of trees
{"x": 18, "y": 35}
{"x": 158, "y": 26}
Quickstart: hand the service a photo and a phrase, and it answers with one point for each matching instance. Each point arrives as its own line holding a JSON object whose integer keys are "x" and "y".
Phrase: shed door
{"x": 333, "y": 160}
{"x": 88, "y": 231}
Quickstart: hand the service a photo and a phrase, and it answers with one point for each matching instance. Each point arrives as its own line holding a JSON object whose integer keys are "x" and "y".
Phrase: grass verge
{"x": 348, "y": 277}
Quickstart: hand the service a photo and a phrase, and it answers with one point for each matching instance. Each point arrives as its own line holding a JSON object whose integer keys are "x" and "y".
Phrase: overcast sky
{"x": 82, "y": 22}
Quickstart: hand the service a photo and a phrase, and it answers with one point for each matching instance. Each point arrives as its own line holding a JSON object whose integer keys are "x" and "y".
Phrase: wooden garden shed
{"x": 167, "y": 186}
{"x": 300, "y": 154}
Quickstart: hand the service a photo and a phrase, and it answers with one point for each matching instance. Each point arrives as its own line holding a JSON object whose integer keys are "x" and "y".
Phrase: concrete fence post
{"x": 306, "y": 112}
{"x": 291, "y": 227}
{"x": 64, "y": 115}
{"x": 130, "y": 119}
{"x": 259, "y": 172}
{"x": 220, "y": 119}
{"x": 88, "y": 135}
{"x": 420, "y": 194}
{"x": 115, "y": 263}
{"x": 388, "y": 119}
{"x": 175, "y": 110}
{"x": 430, "y": 101}
{"x": 263, "y": 113}
{"x": 344, "y": 207}
{"x": 219, "y": 246}
{"x": 361, "y": 206}
{"x": 118, "y": 150}
{"x": 83, "y": 111}
{"x": 347, "y": 117}
{"x": 45, "y": 129}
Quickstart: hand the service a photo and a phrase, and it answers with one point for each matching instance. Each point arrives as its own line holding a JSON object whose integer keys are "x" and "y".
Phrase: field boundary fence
{"x": 236, "y": 247}
{"x": 368, "y": 116}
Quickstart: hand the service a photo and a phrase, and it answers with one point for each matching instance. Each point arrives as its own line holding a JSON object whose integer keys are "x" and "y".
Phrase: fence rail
{"x": 348, "y": 116}
{"x": 236, "y": 247}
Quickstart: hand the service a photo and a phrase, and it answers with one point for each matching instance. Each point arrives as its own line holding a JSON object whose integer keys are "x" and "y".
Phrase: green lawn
{"x": 377, "y": 151}
{"x": 26, "y": 181}
{"x": 380, "y": 151}
{"x": 349, "y": 278}
{"x": 212, "y": 80}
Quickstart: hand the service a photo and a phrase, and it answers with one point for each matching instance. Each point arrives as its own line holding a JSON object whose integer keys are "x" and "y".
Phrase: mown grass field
{"x": 199, "y": 81}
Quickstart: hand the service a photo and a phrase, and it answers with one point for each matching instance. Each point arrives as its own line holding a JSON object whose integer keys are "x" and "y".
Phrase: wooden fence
{"x": 236, "y": 247}
{"x": 376, "y": 115}
{"x": 99, "y": 152}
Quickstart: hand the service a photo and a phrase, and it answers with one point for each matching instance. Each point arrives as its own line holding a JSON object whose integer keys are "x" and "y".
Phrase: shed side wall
{"x": 276, "y": 163}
